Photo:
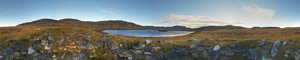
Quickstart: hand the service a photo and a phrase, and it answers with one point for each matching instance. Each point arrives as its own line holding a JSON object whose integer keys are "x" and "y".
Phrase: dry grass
{"x": 239, "y": 34}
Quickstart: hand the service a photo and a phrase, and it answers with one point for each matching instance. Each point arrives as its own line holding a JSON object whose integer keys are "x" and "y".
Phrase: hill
{"x": 219, "y": 27}
{"x": 110, "y": 24}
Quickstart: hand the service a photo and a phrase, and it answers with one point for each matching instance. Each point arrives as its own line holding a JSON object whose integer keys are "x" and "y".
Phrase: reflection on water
{"x": 148, "y": 33}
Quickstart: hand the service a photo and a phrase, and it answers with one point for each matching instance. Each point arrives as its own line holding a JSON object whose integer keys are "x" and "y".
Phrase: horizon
{"x": 189, "y": 13}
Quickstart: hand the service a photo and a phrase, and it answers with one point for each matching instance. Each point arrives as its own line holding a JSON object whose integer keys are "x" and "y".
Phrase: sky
{"x": 189, "y": 13}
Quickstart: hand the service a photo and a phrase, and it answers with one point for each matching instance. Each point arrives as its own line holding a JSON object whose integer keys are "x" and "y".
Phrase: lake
{"x": 147, "y": 33}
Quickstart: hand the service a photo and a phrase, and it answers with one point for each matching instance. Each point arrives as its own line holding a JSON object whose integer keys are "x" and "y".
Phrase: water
{"x": 148, "y": 33}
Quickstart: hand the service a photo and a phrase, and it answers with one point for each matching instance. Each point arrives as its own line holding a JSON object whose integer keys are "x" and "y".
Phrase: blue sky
{"x": 190, "y": 13}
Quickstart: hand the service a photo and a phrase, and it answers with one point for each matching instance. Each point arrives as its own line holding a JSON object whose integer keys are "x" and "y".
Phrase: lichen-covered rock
{"x": 275, "y": 48}
{"x": 30, "y": 50}
{"x": 217, "y": 48}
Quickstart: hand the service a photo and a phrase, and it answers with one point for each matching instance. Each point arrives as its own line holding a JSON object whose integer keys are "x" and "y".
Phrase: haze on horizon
{"x": 190, "y": 13}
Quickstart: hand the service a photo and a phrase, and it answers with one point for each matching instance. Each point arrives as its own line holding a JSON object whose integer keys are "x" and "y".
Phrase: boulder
{"x": 30, "y": 50}
{"x": 285, "y": 43}
{"x": 147, "y": 53}
{"x": 298, "y": 53}
{"x": 122, "y": 52}
{"x": 147, "y": 41}
{"x": 1, "y": 57}
{"x": 156, "y": 48}
{"x": 217, "y": 48}
{"x": 176, "y": 53}
{"x": 226, "y": 53}
{"x": 193, "y": 47}
{"x": 7, "y": 51}
{"x": 275, "y": 50}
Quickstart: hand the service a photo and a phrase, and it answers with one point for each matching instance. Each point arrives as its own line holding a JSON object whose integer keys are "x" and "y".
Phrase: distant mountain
{"x": 170, "y": 28}
{"x": 219, "y": 27}
{"x": 77, "y": 23}
{"x": 265, "y": 27}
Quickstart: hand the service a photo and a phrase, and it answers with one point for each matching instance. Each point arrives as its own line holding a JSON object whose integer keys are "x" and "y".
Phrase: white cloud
{"x": 194, "y": 21}
{"x": 108, "y": 11}
{"x": 260, "y": 13}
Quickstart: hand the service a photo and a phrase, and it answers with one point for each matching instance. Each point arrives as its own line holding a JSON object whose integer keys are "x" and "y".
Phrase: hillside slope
{"x": 110, "y": 24}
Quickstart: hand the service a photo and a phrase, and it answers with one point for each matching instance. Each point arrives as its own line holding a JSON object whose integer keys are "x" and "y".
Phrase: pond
{"x": 147, "y": 33}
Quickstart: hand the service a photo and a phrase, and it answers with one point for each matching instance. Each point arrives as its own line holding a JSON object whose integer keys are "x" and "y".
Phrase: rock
{"x": 85, "y": 37}
{"x": 217, "y": 48}
{"x": 35, "y": 54}
{"x": 30, "y": 50}
{"x": 267, "y": 47}
{"x": 81, "y": 55}
{"x": 122, "y": 52}
{"x": 262, "y": 42}
{"x": 16, "y": 55}
{"x": 54, "y": 56}
{"x": 156, "y": 48}
{"x": 137, "y": 51}
{"x": 47, "y": 48}
{"x": 92, "y": 46}
{"x": 1, "y": 56}
{"x": 81, "y": 47}
{"x": 298, "y": 53}
{"x": 176, "y": 53}
{"x": 129, "y": 58}
{"x": 113, "y": 46}
{"x": 285, "y": 43}
{"x": 286, "y": 51}
{"x": 275, "y": 50}
{"x": 232, "y": 46}
{"x": 50, "y": 38}
{"x": 147, "y": 41}
{"x": 7, "y": 51}
{"x": 193, "y": 47}
{"x": 226, "y": 53}
{"x": 147, "y": 53}
{"x": 192, "y": 40}
{"x": 92, "y": 55}
{"x": 195, "y": 55}
{"x": 238, "y": 50}
{"x": 266, "y": 58}
{"x": 253, "y": 57}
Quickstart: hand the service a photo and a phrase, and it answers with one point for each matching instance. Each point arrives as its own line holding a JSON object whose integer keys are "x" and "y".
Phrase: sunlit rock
{"x": 217, "y": 48}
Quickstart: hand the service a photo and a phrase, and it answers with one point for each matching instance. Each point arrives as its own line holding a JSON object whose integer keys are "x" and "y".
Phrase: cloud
{"x": 108, "y": 11}
{"x": 194, "y": 21}
{"x": 260, "y": 13}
